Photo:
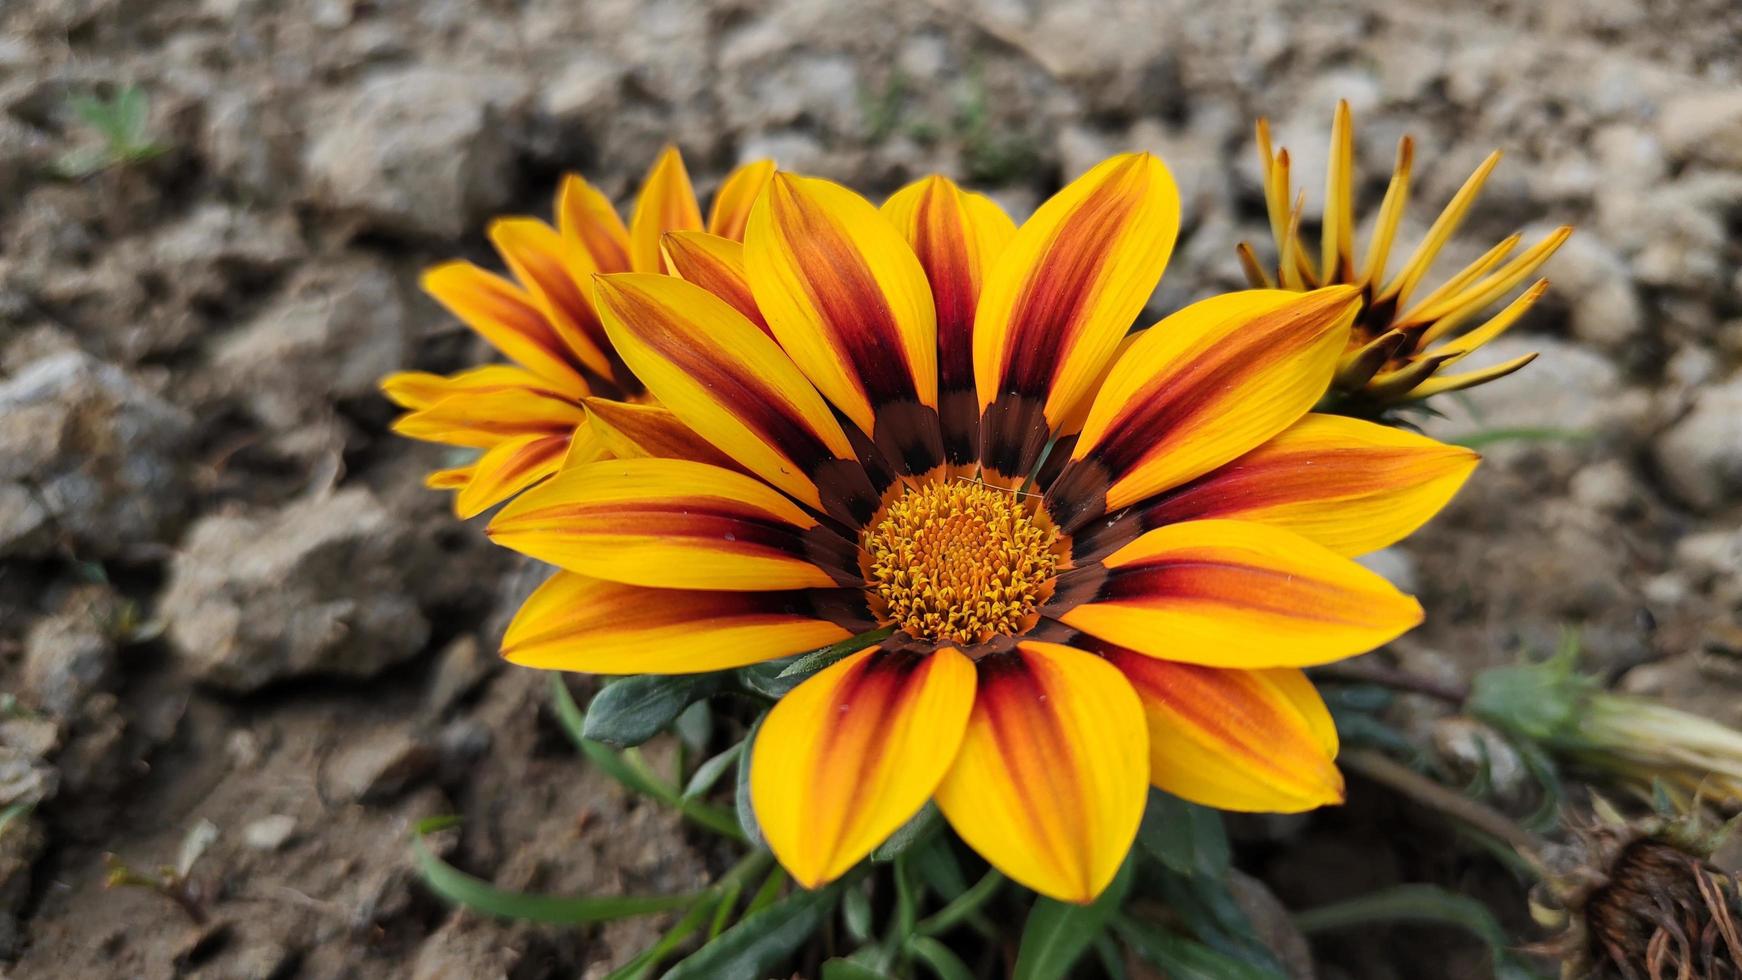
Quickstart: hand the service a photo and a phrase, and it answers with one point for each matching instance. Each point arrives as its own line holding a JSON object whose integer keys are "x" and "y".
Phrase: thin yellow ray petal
{"x": 1337, "y": 251}
{"x": 1390, "y": 215}
{"x": 1439, "y": 233}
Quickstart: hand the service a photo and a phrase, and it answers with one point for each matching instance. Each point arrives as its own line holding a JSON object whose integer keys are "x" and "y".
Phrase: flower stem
{"x": 1449, "y": 802}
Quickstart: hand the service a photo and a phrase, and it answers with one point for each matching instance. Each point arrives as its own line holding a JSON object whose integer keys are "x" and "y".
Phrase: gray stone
{"x": 333, "y": 332}
{"x": 86, "y": 448}
{"x": 1700, "y": 457}
{"x": 66, "y": 657}
{"x": 1598, "y": 287}
{"x": 317, "y": 588}
{"x": 1568, "y": 388}
{"x": 377, "y": 766}
{"x": 419, "y": 150}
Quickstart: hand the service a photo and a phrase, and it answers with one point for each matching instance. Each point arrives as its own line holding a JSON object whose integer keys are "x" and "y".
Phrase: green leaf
{"x": 914, "y": 831}
{"x": 460, "y": 888}
{"x": 708, "y": 773}
{"x": 1186, "y": 837}
{"x": 962, "y": 906}
{"x": 131, "y": 111}
{"x": 1186, "y": 959}
{"x": 764, "y": 679}
{"x": 629, "y": 770}
{"x": 1058, "y": 933}
{"x": 1420, "y": 903}
{"x": 647, "y": 959}
{"x": 746, "y": 812}
{"x": 939, "y": 958}
{"x": 1488, "y": 437}
{"x": 631, "y": 711}
{"x": 755, "y": 947}
{"x": 845, "y": 969}
{"x": 856, "y": 914}
{"x": 15, "y": 812}
{"x": 82, "y": 162}
{"x": 816, "y": 660}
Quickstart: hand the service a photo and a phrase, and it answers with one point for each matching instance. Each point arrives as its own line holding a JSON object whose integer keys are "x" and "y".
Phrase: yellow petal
{"x": 717, "y": 265}
{"x": 1198, "y": 389}
{"x": 1061, "y": 295}
{"x": 737, "y": 193}
{"x": 1349, "y": 485}
{"x": 667, "y": 203}
{"x": 484, "y": 418}
{"x": 1255, "y": 741}
{"x": 585, "y": 217}
{"x": 510, "y": 319}
{"x": 854, "y": 752}
{"x": 669, "y": 523}
{"x": 552, "y": 269}
{"x": 1234, "y": 594}
{"x": 956, "y": 236}
{"x": 421, "y": 389}
{"x": 1050, "y": 780}
{"x": 844, "y": 295}
{"x": 629, "y": 431}
{"x": 509, "y": 467}
{"x": 734, "y": 386}
{"x": 573, "y": 622}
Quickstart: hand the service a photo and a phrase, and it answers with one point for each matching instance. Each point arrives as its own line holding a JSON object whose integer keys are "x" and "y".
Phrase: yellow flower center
{"x": 960, "y": 561}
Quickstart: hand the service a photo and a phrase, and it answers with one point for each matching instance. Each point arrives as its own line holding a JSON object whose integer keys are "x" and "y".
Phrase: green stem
{"x": 965, "y": 905}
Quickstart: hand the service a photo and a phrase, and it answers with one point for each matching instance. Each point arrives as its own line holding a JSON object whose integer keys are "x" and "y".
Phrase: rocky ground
{"x": 225, "y": 597}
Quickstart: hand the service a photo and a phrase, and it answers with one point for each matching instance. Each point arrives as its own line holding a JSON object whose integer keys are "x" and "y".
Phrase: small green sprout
{"x": 120, "y": 125}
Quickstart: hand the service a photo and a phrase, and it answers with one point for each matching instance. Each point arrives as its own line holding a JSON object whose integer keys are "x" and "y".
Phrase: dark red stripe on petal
{"x": 1031, "y": 739}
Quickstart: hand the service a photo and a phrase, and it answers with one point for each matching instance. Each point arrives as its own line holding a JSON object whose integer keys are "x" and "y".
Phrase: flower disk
{"x": 960, "y": 561}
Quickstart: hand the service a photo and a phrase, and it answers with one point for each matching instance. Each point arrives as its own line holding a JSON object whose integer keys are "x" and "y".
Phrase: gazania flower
{"x": 528, "y": 417}
{"x": 1077, "y": 564}
{"x": 1401, "y": 348}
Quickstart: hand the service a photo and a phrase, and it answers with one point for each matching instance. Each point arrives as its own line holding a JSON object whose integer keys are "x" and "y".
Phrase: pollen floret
{"x": 960, "y": 561}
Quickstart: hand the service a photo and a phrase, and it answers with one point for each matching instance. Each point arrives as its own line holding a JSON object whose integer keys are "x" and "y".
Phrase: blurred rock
{"x": 333, "y": 333}
{"x": 71, "y": 654}
{"x": 376, "y": 766}
{"x": 462, "y": 666}
{"x": 269, "y": 833}
{"x": 419, "y": 150}
{"x": 95, "y": 455}
{"x": 1705, "y": 126}
{"x": 1598, "y": 287}
{"x": 20, "y": 845}
{"x": 1700, "y": 457}
{"x": 317, "y": 588}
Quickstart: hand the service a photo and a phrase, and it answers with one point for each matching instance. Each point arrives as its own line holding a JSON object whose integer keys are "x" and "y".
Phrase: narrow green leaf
{"x": 708, "y": 774}
{"x": 856, "y": 914}
{"x": 1419, "y": 903}
{"x": 754, "y": 948}
{"x": 14, "y": 812}
{"x": 1186, "y": 959}
{"x": 963, "y": 906}
{"x": 764, "y": 679}
{"x": 1058, "y": 933}
{"x": 1186, "y": 837}
{"x": 131, "y": 115}
{"x": 810, "y": 663}
{"x": 694, "y": 725}
{"x": 644, "y": 962}
{"x": 845, "y": 969}
{"x": 460, "y": 888}
{"x": 746, "y": 812}
{"x": 1488, "y": 437}
{"x": 632, "y": 710}
{"x": 766, "y": 895}
{"x": 918, "y": 827}
{"x": 938, "y": 958}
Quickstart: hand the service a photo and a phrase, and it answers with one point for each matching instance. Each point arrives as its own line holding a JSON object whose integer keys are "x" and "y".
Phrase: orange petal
{"x": 854, "y": 752}
{"x": 717, "y": 265}
{"x": 585, "y": 217}
{"x": 1256, "y": 741}
{"x": 737, "y": 193}
{"x": 671, "y": 523}
{"x": 454, "y": 478}
{"x": 573, "y": 622}
{"x": 1349, "y": 485}
{"x": 667, "y": 203}
{"x": 509, "y": 467}
{"x": 629, "y": 431}
{"x": 510, "y": 319}
{"x": 1060, "y": 296}
{"x": 1051, "y": 778}
{"x": 956, "y": 236}
{"x": 1233, "y": 594}
{"x": 735, "y": 387}
{"x": 1200, "y": 388}
{"x": 552, "y": 269}
{"x": 483, "y": 419}
{"x": 845, "y": 296}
